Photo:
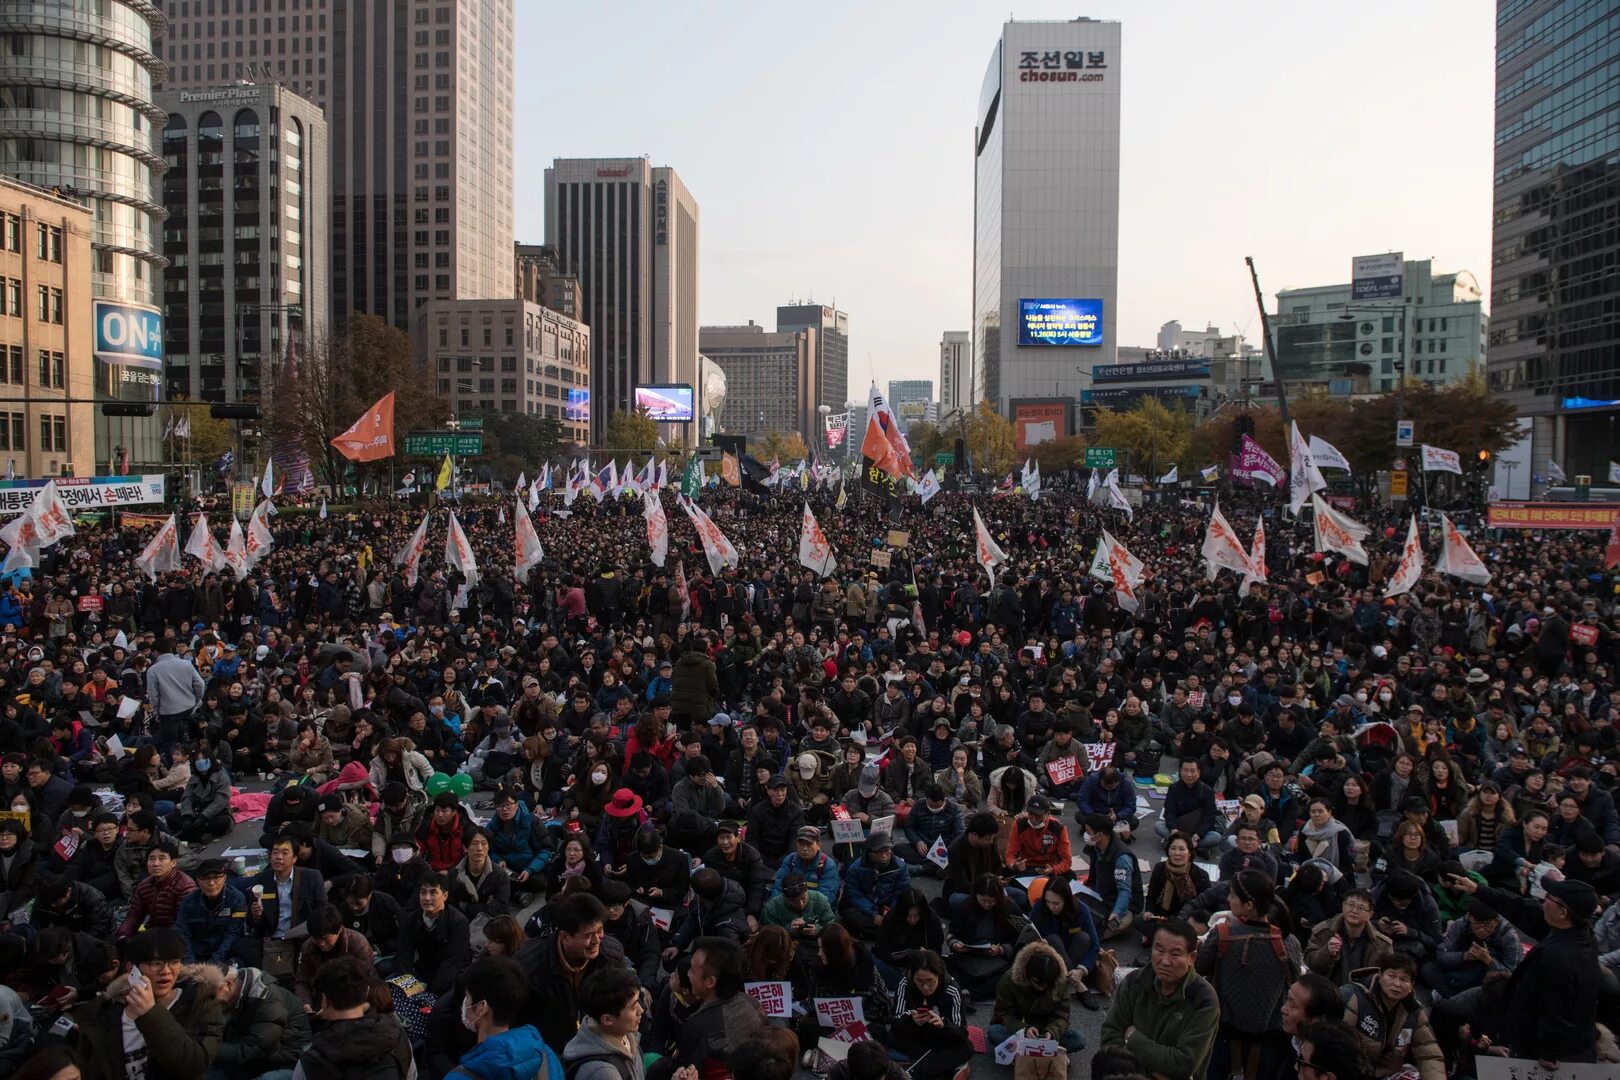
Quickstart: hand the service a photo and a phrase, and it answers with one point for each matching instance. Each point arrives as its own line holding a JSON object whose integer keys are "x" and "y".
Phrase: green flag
{"x": 692, "y": 479}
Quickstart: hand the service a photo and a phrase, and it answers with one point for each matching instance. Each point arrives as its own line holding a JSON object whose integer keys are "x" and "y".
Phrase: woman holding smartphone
{"x": 929, "y": 1025}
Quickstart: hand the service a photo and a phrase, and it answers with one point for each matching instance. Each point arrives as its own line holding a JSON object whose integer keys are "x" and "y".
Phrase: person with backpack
{"x": 354, "y": 1043}
{"x": 1251, "y": 959}
{"x": 497, "y": 993}
{"x": 608, "y": 1045}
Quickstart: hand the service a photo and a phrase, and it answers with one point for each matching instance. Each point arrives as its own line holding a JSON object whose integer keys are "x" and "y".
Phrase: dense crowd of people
{"x": 623, "y": 820}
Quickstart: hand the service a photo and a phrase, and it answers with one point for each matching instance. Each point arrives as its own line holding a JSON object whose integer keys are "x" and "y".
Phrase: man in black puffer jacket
{"x": 774, "y": 821}
{"x": 265, "y": 1026}
{"x": 558, "y": 963}
{"x": 718, "y": 909}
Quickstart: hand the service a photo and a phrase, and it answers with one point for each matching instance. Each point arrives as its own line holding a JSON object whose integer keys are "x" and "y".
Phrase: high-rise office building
{"x": 770, "y": 379}
{"x": 955, "y": 361}
{"x": 629, "y": 233}
{"x": 77, "y": 116}
{"x": 913, "y": 400}
{"x": 539, "y": 281}
{"x": 1046, "y": 210}
{"x": 246, "y": 237}
{"x": 832, "y": 344}
{"x": 1554, "y": 346}
{"x": 419, "y": 106}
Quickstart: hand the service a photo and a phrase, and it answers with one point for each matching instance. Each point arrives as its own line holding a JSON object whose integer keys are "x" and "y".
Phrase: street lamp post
{"x": 822, "y": 411}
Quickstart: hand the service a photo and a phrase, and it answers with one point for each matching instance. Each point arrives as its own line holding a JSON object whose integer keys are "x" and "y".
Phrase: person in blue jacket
{"x": 1106, "y": 791}
{"x": 807, "y": 859}
{"x": 496, "y": 991}
{"x": 519, "y": 842}
{"x": 872, "y": 885}
{"x": 213, "y": 918}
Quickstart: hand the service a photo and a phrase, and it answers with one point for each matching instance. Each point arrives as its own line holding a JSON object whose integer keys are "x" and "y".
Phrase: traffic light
{"x": 1484, "y": 457}
{"x": 234, "y": 412}
{"x": 128, "y": 408}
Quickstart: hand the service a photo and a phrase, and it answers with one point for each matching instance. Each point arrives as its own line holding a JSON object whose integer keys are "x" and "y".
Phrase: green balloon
{"x": 462, "y": 784}
{"x": 438, "y": 782}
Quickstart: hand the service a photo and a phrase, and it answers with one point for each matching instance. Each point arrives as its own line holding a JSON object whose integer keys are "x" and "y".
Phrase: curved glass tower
{"x": 76, "y": 116}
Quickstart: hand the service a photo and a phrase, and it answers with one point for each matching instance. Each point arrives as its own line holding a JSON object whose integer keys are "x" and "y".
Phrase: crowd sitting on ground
{"x": 612, "y": 821}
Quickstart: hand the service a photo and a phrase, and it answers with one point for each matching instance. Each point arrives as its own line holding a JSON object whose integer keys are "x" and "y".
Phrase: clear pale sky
{"x": 829, "y": 148}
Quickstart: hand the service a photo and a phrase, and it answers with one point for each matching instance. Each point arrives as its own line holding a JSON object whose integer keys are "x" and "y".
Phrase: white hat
{"x": 261, "y": 652}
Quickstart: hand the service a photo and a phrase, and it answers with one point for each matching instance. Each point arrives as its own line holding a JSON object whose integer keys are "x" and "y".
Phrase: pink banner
{"x": 1254, "y": 464}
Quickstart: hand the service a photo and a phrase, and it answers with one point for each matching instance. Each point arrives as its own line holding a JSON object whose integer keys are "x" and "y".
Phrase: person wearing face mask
{"x": 658, "y": 874}
{"x": 204, "y": 811}
{"x": 404, "y": 870}
{"x": 496, "y": 994}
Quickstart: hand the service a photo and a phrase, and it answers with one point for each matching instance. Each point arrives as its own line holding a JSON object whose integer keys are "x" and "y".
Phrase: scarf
{"x": 1179, "y": 888}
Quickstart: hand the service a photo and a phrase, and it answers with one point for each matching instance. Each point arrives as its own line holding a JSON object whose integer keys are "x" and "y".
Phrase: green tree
{"x": 209, "y": 437}
{"x": 1153, "y": 435}
{"x": 1063, "y": 453}
{"x": 989, "y": 438}
{"x": 785, "y": 448}
{"x": 632, "y": 431}
{"x": 521, "y": 443}
{"x": 928, "y": 439}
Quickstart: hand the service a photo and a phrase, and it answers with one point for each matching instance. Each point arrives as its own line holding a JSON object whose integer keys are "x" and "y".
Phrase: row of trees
{"x": 1458, "y": 416}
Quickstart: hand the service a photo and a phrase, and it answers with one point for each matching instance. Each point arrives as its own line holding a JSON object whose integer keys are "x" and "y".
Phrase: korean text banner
{"x": 1060, "y": 322}
{"x": 1550, "y": 515}
{"x": 86, "y": 492}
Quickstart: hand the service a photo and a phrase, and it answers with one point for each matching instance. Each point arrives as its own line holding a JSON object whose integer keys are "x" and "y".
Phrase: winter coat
{"x": 597, "y": 1055}
{"x": 487, "y": 894}
{"x": 553, "y": 1002}
{"x": 444, "y": 846}
{"x": 515, "y": 1054}
{"x": 130, "y": 861}
{"x": 1251, "y": 979}
{"x": 212, "y": 927}
{"x": 310, "y": 958}
{"x": 1320, "y": 959}
{"x": 870, "y": 889}
{"x": 972, "y": 787}
{"x": 156, "y": 902}
{"x": 696, "y": 685}
{"x": 702, "y": 799}
{"x": 1020, "y": 1005}
{"x": 726, "y": 916}
{"x": 1174, "y": 1036}
{"x": 208, "y": 795}
{"x": 772, "y": 829}
{"x": 1394, "y": 1037}
{"x": 1043, "y": 849}
{"x": 924, "y": 825}
{"x": 181, "y": 1040}
{"x": 523, "y": 844}
{"x": 820, "y": 874}
{"x": 747, "y": 868}
{"x": 87, "y": 912}
{"x": 317, "y": 761}
{"x": 266, "y": 1029}
{"x": 362, "y": 1048}
{"x": 435, "y": 954}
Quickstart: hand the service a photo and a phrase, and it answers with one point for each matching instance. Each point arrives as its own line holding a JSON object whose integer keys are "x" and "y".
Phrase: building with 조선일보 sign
{"x": 1046, "y": 210}
{"x": 86, "y": 492}
{"x": 1551, "y": 515}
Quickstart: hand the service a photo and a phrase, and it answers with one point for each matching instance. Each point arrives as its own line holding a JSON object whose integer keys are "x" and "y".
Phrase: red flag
{"x": 877, "y": 449}
{"x": 372, "y": 436}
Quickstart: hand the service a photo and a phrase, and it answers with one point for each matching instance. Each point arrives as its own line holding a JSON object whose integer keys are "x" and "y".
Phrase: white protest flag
{"x": 458, "y": 553}
{"x": 1031, "y": 479}
{"x": 1210, "y": 475}
{"x": 986, "y": 550}
{"x": 410, "y": 556}
{"x": 927, "y": 488}
{"x": 534, "y": 493}
{"x": 815, "y": 552}
{"x": 162, "y": 552}
{"x": 1439, "y": 459}
{"x": 1555, "y": 473}
{"x": 259, "y": 539}
{"x": 1171, "y": 477}
{"x": 236, "y": 550}
{"x": 201, "y": 545}
{"x": 657, "y": 527}
{"x": 1325, "y": 456}
{"x": 1304, "y": 477}
{"x": 1091, "y": 487}
{"x": 1335, "y": 532}
{"x": 43, "y": 523}
{"x": 1257, "y": 559}
{"x": 1410, "y": 568}
{"x": 267, "y": 485}
{"x": 843, "y": 497}
{"x": 720, "y": 551}
{"x": 1116, "y": 497}
{"x": 323, "y": 507}
{"x": 576, "y": 484}
{"x": 1222, "y": 550}
{"x": 500, "y": 516}
{"x": 1614, "y": 471}
{"x": 1117, "y": 566}
{"x": 529, "y": 552}
{"x": 521, "y": 480}
{"x": 1458, "y": 559}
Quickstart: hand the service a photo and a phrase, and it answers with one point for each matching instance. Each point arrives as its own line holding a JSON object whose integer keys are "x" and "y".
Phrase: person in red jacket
{"x": 1039, "y": 843}
{"x": 443, "y": 833}
{"x": 156, "y": 899}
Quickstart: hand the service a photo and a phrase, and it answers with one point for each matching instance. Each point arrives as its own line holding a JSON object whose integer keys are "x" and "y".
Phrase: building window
{"x": 13, "y": 298}
{"x": 50, "y": 243}
{"x": 17, "y": 437}
{"x": 11, "y": 232}
{"x": 50, "y": 369}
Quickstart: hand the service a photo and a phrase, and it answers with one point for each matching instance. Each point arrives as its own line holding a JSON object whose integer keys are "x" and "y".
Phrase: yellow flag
{"x": 442, "y": 481}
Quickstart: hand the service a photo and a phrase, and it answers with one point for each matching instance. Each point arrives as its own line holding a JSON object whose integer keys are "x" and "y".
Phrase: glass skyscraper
{"x": 1554, "y": 345}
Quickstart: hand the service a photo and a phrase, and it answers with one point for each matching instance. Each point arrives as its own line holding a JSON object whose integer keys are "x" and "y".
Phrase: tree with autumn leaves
{"x": 341, "y": 375}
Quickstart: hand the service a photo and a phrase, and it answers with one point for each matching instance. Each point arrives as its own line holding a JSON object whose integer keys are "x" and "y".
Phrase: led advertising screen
{"x": 579, "y": 405}
{"x": 1060, "y": 322}
{"x": 668, "y": 403}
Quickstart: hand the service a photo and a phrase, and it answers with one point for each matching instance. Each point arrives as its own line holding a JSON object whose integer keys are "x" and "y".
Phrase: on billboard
{"x": 1377, "y": 277}
{"x": 578, "y": 406}
{"x": 85, "y": 492}
{"x": 1060, "y": 322}
{"x": 666, "y": 402}
{"x": 129, "y": 334}
{"x": 1039, "y": 420}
